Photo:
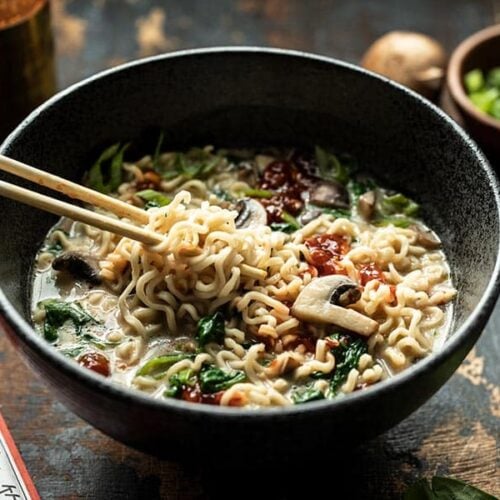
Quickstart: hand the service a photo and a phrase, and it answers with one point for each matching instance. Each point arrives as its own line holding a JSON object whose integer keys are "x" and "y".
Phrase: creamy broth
{"x": 231, "y": 309}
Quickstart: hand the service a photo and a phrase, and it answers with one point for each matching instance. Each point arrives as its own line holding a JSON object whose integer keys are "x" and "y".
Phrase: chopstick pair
{"x": 78, "y": 192}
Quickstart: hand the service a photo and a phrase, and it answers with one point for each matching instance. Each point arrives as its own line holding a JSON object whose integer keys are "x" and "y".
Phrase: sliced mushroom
{"x": 308, "y": 216}
{"x": 426, "y": 237}
{"x": 329, "y": 194}
{"x": 366, "y": 204}
{"x": 81, "y": 267}
{"x": 324, "y": 299}
{"x": 250, "y": 214}
{"x": 247, "y": 172}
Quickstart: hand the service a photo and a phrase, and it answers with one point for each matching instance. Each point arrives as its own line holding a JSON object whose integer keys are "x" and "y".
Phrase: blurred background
{"x": 97, "y": 34}
{"x": 454, "y": 434}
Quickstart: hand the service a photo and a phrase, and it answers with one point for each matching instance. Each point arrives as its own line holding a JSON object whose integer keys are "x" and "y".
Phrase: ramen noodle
{"x": 283, "y": 277}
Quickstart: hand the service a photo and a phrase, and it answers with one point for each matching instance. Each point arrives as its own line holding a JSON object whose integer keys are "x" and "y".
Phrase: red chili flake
{"x": 369, "y": 272}
{"x": 288, "y": 184}
{"x": 331, "y": 343}
{"x": 150, "y": 180}
{"x": 193, "y": 394}
{"x": 96, "y": 362}
{"x": 277, "y": 174}
{"x": 239, "y": 399}
{"x": 268, "y": 341}
{"x": 326, "y": 251}
{"x": 309, "y": 343}
{"x": 212, "y": 399}
{"x": 394, "y": 299}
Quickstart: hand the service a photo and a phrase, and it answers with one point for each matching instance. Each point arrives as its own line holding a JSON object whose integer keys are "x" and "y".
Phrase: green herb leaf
{"x": 58, "y": 312}
{"x": 305, "y": 394}
{"x": 211, "y": 329}
{"x": 284, "y": 227}
{"x": 196, "y": 164}
{"x": 214, "y": 379}
{"x": 395, "y": 220}
{"x": 97, "y": 342}
{"x": 158, "y": 366}
{"x": 257, "y": 193}
{"x": 445, "y": 488}
{"x": 179, "y": 380}
{"x": 290, "y": 219}
{"x": 330, "y": 167}
{"x": 347, "y": 355}
{"x": 336, "y": 212}
{"x": 399, "y": 204}
{"x": 106, "y": 173}
{"x": 154, "y": 198}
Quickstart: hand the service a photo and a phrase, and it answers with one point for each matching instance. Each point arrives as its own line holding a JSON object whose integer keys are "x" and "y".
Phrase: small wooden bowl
{"x": 481, "y": 50}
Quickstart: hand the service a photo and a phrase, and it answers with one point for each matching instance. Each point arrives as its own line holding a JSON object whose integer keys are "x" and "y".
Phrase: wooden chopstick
{"x": 77, "y": 213}
{"x": 72, "y": 189}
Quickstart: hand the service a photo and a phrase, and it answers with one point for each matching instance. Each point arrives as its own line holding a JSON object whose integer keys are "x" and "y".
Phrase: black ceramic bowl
{"x": 256, "y": 97}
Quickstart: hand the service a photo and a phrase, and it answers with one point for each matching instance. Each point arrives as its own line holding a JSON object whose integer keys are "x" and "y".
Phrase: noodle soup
{"x": 284, "y": 277}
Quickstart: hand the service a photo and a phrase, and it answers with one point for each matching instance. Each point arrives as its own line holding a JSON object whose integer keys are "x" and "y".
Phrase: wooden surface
{"x": 454, "y": 434}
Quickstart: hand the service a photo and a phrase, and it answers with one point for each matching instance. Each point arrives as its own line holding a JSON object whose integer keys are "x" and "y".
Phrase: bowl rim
{"x": 454, "y": 78}
{"x": 478, "y": 317}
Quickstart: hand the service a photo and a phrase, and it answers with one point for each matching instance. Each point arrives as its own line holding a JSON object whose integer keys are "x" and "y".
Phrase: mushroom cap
{"x": 80, "y": 266}
{"x": 251, "y": 213}
{"x": 314, "y": 305}
{"x": 412, "y": 59}
{"x": 329, "y": 194}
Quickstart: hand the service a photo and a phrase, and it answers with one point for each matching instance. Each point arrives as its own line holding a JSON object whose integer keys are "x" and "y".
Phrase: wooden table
{"x": 453, "y": 434}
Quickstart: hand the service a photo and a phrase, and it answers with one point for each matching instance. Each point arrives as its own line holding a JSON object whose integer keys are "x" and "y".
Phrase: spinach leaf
{"x": 156, "y": 155}
{"x": 214, "y": 379}
{"x": 153, "y": 198}
{"x": 444, "y": 488}
{"x": 179, "y": 380}
{"x": 211, "y": 329}
{"x": 158, "y": 366}
{"x": 330, "y": 167}
{"x": 305, "y": 394}
{"x": 347, "y": 355}
{"x": 106, "y": 173}
{"x": 399, "y": 204}
{"x": 58, "y": 312}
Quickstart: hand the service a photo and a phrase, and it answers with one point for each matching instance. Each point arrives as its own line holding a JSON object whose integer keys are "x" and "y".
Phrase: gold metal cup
{"x": 27, "y": 73}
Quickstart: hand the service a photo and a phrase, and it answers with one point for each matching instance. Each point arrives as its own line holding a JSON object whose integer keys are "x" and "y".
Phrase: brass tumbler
{"x": 27, "y": 74}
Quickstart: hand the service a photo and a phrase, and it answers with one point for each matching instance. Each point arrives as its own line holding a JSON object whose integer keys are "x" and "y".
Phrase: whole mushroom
{"x": 412, "y": 59}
